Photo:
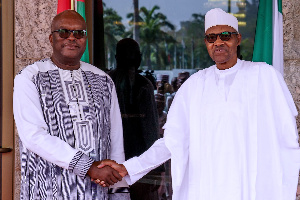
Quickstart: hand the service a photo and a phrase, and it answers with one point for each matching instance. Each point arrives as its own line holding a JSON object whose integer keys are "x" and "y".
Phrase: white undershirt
{"x": 224, "y": 78}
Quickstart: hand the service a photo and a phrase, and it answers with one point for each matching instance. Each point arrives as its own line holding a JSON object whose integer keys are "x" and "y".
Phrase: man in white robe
{"x": 68, "y": 119}
{"x": 231, "y": 130}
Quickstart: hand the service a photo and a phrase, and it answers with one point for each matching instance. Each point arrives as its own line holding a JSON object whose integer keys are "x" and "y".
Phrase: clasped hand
{"x": 106, "y": 172}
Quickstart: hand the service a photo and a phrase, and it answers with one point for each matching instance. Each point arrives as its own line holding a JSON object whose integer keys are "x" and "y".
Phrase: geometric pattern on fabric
{"x": 84, "y": 136}
{"x": 43, "y": 180}
{"x": 80, "y": 164}
{"x": 75, "y": 95}
{"x": 75, "y": 159}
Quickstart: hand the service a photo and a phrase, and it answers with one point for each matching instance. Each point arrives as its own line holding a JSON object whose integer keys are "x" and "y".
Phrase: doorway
{"x": 6, "y": 91}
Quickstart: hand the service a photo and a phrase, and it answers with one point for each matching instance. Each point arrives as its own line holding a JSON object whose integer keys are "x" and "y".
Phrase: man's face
{"x": 224, "y": 53}
{"x": 67, "y": 50}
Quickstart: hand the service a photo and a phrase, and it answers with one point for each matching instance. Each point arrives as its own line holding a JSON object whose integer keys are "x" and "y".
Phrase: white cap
{"x": 217, "y": 16}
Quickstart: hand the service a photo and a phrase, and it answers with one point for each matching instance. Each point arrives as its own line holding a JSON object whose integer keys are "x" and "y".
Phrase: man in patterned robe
{"x": 68, "y": 120}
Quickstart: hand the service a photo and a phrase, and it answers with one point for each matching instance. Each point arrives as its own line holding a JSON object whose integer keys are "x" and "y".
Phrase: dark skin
{"x": 66, "y": 55}
{"x": 106, "y": 174}
{"x": 67, "y": 52}
{"x": 111, "y": 163}
{"x": 224, "y": 53}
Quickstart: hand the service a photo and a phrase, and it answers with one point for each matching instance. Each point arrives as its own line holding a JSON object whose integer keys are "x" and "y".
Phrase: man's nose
{"x": 218, "y": 42}
{"x": 71, "y": 37}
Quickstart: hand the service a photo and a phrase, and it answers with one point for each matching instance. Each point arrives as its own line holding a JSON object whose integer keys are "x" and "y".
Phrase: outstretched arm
{"x": 137, "y": 167}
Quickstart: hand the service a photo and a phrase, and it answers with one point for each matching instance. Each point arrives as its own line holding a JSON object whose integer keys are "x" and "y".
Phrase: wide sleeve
{"x": 287, "y": 112}
{"x": 32, "y": 128}
{"x": 288, "y": 140}
{"x": 278, "y": 135}
{"x": 290, "y": 154}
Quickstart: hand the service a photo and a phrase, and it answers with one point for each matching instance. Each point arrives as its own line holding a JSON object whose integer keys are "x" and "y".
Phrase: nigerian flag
{"x": 268, "y": 45}
{"x": 80, "y": 8}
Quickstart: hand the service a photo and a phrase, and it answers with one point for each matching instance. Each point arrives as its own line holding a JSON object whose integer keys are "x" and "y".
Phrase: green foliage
{"x": 113, "y": 32}
{"x": 192, "y": 35}
{"x": 164, "y": 48}
{"x": 152, "y": 36}
{"x": 248, "y": 31}
{"x": 247, "y": 49}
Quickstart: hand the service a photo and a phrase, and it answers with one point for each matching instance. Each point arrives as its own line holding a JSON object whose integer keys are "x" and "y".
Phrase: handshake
{"x": 106, "y": 172}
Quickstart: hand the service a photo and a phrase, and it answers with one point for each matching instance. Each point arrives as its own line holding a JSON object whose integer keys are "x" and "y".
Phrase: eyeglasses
{"x": 224, "y": 36}
{"x": 65, "y": 33}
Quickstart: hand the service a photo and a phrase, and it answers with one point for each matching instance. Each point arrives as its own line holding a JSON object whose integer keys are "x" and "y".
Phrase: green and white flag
{"x": 268, "y": 45}
{"x": 80, "y": 8}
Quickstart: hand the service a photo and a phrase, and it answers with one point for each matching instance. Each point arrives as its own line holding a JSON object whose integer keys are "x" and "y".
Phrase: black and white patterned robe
{"x": 64, "y": 120}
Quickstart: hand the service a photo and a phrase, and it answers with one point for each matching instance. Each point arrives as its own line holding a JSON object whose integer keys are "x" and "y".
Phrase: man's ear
{"x": 239, "y": 38}
{"x": 51, "y": 39}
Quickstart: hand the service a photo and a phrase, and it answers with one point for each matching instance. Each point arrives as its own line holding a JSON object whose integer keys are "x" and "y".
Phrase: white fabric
{"x": 224, "y": 79}
{"x": 217, "y": 16}
{"x": 277, "y": 39}
{"x": 31, "y": 125}
{"x": 244, "y": 147}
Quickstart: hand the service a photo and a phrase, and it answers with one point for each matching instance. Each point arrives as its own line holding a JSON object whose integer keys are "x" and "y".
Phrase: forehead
{"x": 71, "y": 22}
{"x": 220, "y": 29}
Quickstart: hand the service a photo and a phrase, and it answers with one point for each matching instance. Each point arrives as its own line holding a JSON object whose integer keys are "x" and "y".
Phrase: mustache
{"x": 221, "y": 47}
{"x": 71, "y": 43}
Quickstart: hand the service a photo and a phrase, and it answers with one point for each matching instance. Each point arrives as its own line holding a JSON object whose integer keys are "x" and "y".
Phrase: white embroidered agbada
{"x": 230, "y": 135}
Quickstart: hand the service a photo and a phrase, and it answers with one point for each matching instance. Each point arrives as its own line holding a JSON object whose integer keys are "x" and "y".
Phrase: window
{"x": 171, "y": 32}
{"x": 171, "y": 38}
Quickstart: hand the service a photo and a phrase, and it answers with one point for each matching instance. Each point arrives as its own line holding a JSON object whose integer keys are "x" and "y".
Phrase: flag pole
{"x": 72, "y": 5}
{"x": 80, "y": 8}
